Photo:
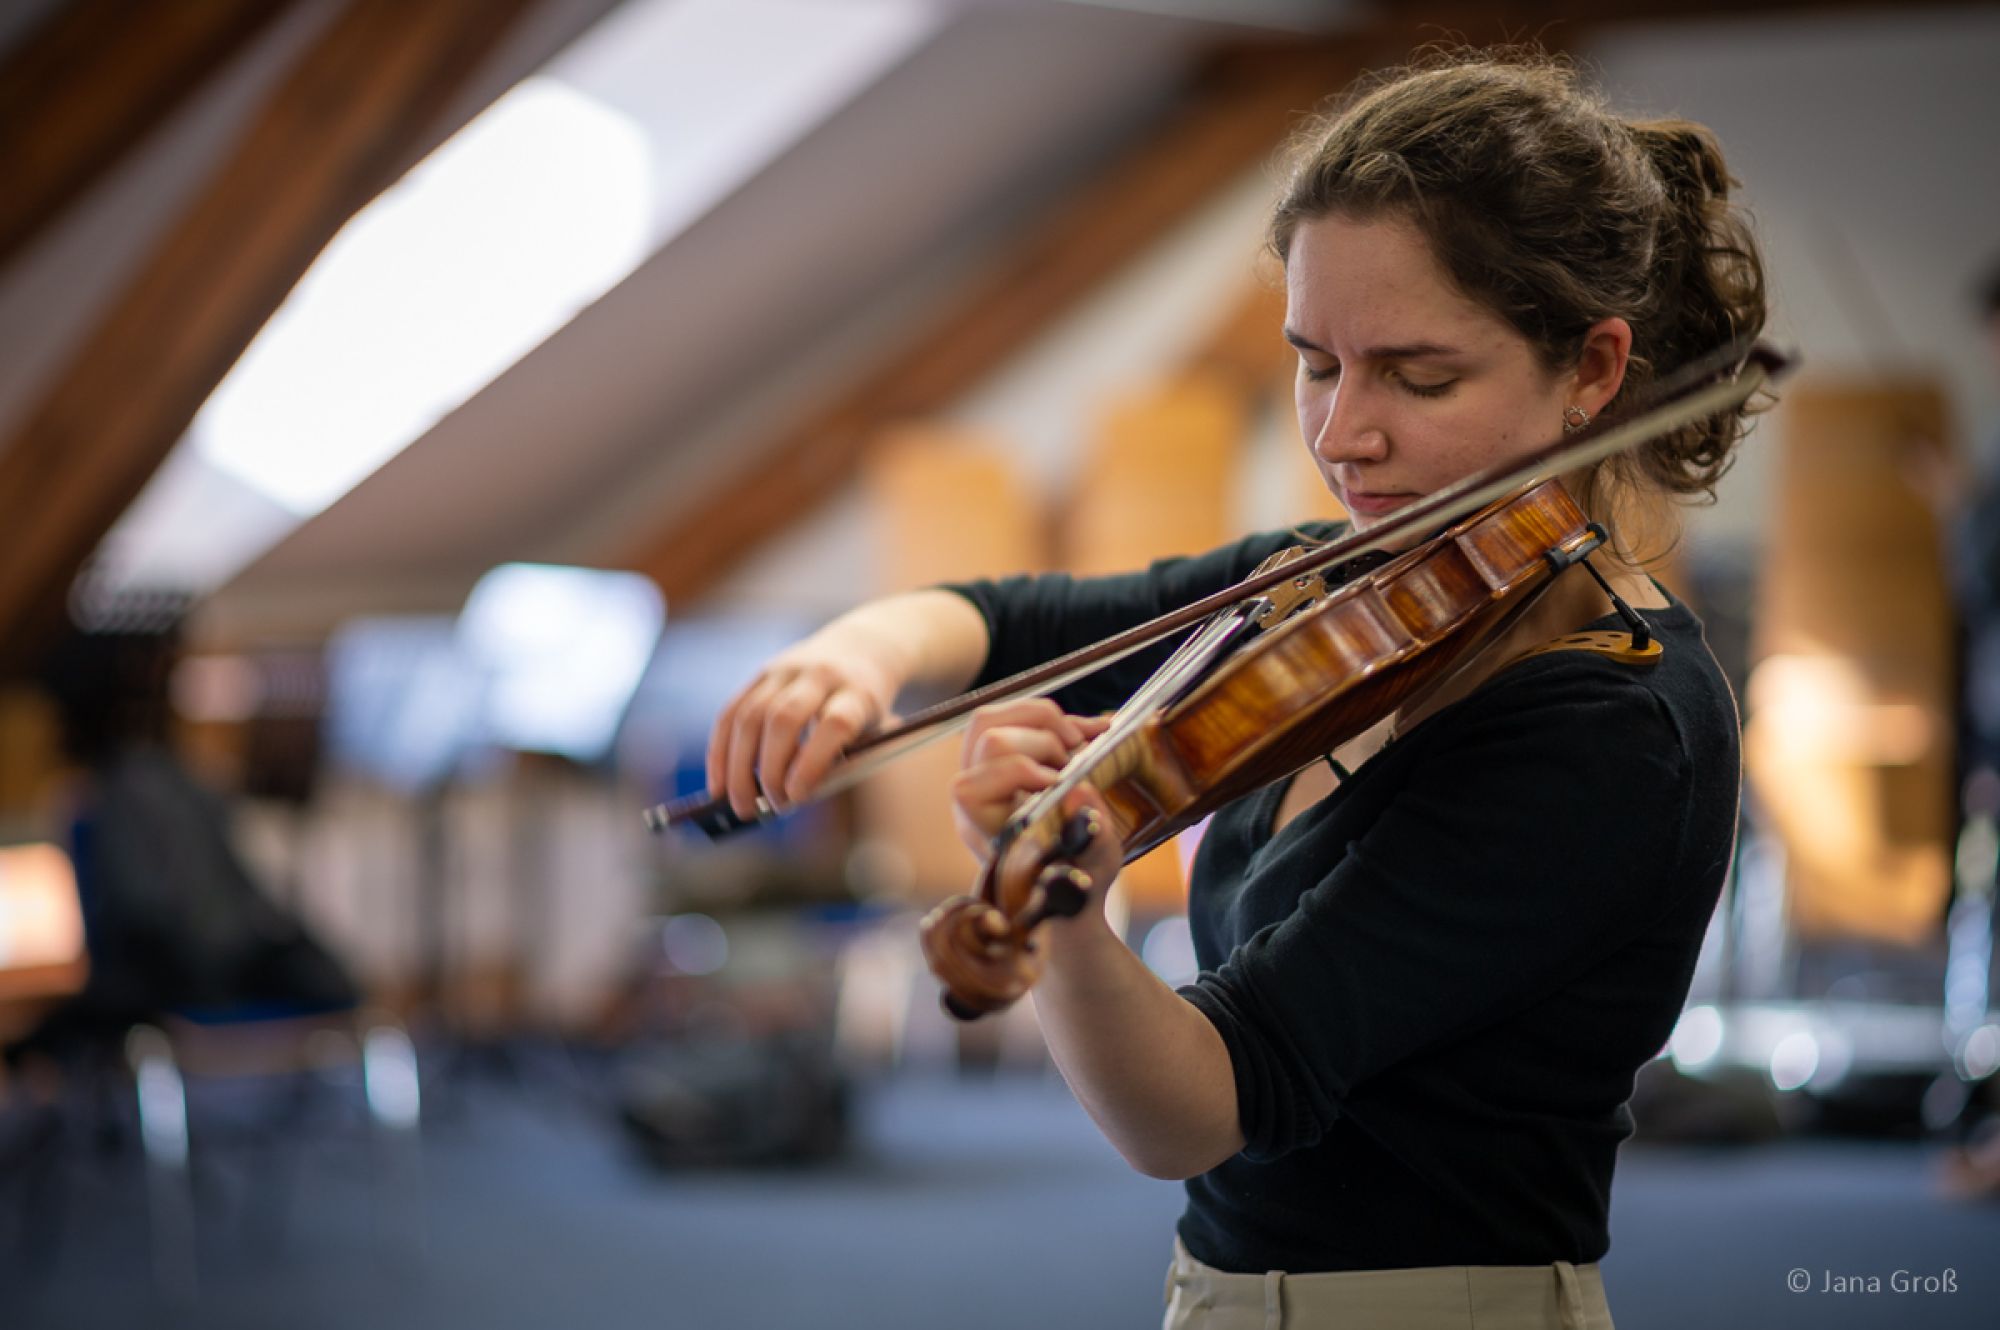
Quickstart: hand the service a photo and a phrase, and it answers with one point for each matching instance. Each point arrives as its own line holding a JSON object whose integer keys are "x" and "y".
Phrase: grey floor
{"x": 963, "y": 1205}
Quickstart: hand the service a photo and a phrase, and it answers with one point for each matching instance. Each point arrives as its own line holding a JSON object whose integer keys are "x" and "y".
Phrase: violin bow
{"x": 1722, "y": 380}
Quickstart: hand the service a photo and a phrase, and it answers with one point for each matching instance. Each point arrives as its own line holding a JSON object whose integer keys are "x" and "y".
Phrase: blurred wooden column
{"x": 946, "y": 505}
{"x": 1160, "y": 479}
{"x": 1848, "y": 744}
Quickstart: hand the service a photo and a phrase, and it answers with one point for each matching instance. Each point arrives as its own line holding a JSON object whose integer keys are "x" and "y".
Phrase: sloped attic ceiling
{"x": 630, "y": 412}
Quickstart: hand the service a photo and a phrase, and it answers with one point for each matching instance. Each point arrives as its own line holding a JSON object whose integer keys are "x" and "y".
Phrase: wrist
{"x": 1080, "y": 940}
{"x": 854, "y": 638}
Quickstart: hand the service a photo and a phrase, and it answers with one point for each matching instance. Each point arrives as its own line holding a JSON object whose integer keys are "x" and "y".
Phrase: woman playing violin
{"x": 1433, "y": 964}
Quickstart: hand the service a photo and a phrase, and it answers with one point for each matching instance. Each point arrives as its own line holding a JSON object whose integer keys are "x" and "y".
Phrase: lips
{"x": 1374, "y": 504}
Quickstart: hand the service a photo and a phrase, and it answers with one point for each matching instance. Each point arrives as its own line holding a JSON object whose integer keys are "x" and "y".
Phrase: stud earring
{"x": 1574, "y": 419}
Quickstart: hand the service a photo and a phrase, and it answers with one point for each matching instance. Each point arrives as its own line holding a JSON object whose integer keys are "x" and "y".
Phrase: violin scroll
{"x": 982, "y": 948}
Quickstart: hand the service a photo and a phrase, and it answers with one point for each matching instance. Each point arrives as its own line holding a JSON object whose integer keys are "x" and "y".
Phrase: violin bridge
{"x": 1281, "y": 600}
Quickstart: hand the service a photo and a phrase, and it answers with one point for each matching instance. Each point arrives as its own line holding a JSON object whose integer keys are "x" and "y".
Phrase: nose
{"x": 1342, "y": 428}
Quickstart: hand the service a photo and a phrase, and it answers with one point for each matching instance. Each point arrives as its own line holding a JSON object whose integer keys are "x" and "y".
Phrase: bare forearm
{"x": 1147, "y": 1066}
{"x": 927, "y": 639}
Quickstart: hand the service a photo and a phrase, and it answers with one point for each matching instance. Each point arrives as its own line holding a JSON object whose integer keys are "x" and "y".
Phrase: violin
{"x": 1326, "y": 663}
{"x": 1314, "y": 648}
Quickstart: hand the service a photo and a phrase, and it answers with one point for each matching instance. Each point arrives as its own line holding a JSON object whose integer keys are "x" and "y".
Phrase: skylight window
{"x": 501, "y": 236}
{"x": 538, "y": 208}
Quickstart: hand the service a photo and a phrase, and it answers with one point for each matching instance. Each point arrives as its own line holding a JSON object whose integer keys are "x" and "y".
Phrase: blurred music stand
{"x": 560, "y": 651}
{"x": 403, "y": 711}
{"x": 541, "y": 662}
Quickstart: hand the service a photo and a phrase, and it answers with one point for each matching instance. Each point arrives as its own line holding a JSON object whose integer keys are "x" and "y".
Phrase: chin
{"x": 1365, "y": 523}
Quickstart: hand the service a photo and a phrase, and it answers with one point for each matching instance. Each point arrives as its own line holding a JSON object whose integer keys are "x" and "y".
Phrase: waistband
{"x": 1557, "y": 1296}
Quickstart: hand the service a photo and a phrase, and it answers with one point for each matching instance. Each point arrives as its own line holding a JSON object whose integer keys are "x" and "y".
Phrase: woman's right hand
{"x": 784, "y": 731}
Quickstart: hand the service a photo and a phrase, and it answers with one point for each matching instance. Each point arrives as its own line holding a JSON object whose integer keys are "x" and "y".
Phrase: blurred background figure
{"x": 1964, "y": 491}
{"x": 174, "y": 921}
{"x": 1968, "y": 497}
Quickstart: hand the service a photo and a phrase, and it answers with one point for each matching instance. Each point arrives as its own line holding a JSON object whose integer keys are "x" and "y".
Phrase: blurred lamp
{"x": 40, "y": 919}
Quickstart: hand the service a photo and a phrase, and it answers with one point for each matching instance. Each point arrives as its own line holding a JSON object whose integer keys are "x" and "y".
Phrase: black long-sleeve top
{"x": 1437, "y": 984}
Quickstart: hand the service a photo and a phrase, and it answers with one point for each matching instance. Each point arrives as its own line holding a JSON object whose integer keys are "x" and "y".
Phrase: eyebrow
{"x": 1413, "y": 351}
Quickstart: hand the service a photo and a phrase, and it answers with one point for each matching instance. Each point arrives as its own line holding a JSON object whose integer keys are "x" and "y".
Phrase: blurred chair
{"x": 224, "y": 1002}
{"x": 207, "y": 999}
{"x": 205, "y": 1080}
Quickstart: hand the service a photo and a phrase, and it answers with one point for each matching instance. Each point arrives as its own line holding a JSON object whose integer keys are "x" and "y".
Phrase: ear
{"x": 1600, "y": 370}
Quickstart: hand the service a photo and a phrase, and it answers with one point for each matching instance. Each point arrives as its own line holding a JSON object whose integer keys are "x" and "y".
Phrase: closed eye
{"x": 1426, "y": 389}
{"x": 1408, "y": 385}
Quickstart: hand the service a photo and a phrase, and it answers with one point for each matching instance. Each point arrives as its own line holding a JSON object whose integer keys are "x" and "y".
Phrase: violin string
{"x": 1188, "y": 660}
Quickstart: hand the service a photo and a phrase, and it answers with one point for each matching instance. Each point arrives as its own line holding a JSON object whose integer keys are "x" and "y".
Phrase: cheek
{"x": 1449, "y": 444}
{"x": 1311, "y": 405}
{"x": 1479, "y": 434}
{"x": 1536, "y": 417}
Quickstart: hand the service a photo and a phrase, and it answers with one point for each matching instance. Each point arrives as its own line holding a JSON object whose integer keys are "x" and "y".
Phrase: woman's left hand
{"x": 1014, "y": 751}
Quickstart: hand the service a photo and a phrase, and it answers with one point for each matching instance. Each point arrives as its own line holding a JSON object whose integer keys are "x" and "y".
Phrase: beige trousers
{"x": 1440, "y": 1297}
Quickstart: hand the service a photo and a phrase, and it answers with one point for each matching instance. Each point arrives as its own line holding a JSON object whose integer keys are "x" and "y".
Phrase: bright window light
{"x": 563, "y": 649}
{"x": 530, "y": 213}
{"x": 538, "y": 208}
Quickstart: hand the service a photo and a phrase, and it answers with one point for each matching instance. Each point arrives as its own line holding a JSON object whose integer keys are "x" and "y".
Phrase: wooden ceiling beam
{"x": 93, "y": 80}
{"x": 337, "y": 130}
{"x": 1228, "y": 123}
